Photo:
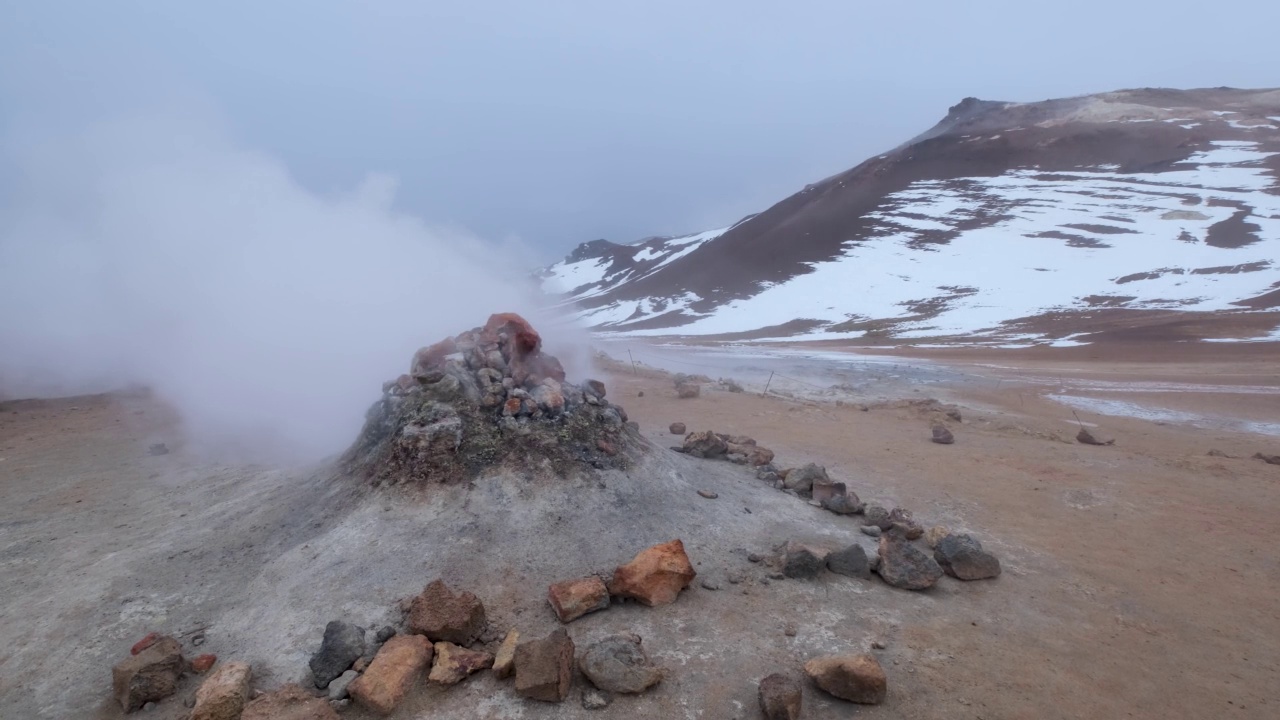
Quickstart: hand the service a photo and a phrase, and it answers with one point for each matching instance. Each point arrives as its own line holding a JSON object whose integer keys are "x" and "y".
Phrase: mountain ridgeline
{"x": 1139, "y": 214}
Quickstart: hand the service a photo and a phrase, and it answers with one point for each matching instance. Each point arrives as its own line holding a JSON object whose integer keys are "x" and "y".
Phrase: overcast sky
{"x": 559, "y": 122}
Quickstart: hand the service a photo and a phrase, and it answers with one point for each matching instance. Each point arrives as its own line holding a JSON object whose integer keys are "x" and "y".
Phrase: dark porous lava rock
{"x": 962, "y": 556}
{"x": 488, "y": 398}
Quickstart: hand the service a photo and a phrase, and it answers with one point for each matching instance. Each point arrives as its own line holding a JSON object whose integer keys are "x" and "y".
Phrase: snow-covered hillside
{"x": 1193, "y": 228}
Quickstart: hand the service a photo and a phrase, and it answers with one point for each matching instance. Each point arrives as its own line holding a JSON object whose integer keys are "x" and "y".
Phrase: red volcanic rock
{"x": 571, "y": 599}
{"x": 203, "y": 662}
{"x": 147, "y": 641}
{"x": 656, "y": 576}
{"x": 431, "y": 358}
{"x": 522, "y": 339}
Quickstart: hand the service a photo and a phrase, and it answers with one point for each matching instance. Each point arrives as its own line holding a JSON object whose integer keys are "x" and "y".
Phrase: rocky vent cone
{"x": 488, "y": 399}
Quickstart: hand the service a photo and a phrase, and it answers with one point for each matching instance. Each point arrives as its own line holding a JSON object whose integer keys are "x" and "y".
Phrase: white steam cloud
{"x": 155, "y": 251}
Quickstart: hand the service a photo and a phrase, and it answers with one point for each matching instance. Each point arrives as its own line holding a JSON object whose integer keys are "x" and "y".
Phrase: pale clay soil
{"x": 1140, "y": 580}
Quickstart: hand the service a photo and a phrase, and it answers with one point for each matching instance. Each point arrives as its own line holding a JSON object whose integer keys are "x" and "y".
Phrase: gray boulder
{"x": 802, "y": 562}
{"x": 900, "y": 520}
{"x": 846, "y": 503}
{"x": 851, "y": 561}
{"x": 961, "y": 556}
{"x": 802, "y": 478}
{"x": 618, "y": 664}
{"x": 878, "y": 516}
{"x": 905, "y": 566}
{"x": 942, "y": 435}
{"x": 338, "y": 688}
{"x": 343, "y": 644}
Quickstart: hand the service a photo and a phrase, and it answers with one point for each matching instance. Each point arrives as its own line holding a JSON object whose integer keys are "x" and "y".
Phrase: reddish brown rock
{"x": 521, "y": 338}
{"x": 856, "y": 678}
{"x": 392, "y": 673}
{"x": 441, "y": 615}
{"x": 222, "y": 696}
{"x": 544, "y": 668}
{"x": 780, "y": 697}
{"x": 512, "y": 406}
{"x": 202, "y": 663}
{"x": 655, "y": 576}
{"x": 290, "y": 702}
{"x": 677, "y": 428}
{"x": 572, "y": 599}
{"x": 606, "y": 447}
{"x": 453, "y": 663}
{"x": 432, "y": 358}
{"x": 147, "y": 641}
{"x": 504, "y": 661}
{"x": 149, "y": 676}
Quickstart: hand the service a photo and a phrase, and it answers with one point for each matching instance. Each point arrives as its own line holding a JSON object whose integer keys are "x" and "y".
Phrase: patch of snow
{"x": 1273, "y": 336}
{"x": 1158, "y": 414}
{"x": 882, "y": 274}
{"x": 565, "y": 277}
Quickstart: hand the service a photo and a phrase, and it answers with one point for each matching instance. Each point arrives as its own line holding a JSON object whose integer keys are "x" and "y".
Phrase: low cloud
{"x": 154, "y": 250}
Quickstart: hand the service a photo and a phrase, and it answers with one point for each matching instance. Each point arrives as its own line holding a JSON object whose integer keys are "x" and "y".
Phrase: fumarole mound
{"x": 484, "y": 399}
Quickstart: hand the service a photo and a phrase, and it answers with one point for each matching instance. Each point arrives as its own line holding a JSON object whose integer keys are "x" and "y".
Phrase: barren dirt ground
{"x": 1140, "y": 580}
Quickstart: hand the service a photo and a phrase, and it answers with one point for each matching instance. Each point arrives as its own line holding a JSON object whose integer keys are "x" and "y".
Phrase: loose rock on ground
{"x": 290, "y": 702}
{"x": 571, "y": 599}
{"x": 905, "y": 566}
{"x": 504, "y": 660}
{"x": 619, "y": 664}
{"x": 655, "y": 576}
{"x": 962, "y": 557}
{"x": 150, "y": 675}
{"x": 856, "y": 678}
{"x": 780, "y": 697}
{"x": 544, "y": 667}
{"x": 342, "y": 645}
{"x": 393, "y": 672}
{"x": 440, "y": 614}
{"x": 453, "y": 663}
{"x": 222, "y": 696}
{"x": 851, "y": 562}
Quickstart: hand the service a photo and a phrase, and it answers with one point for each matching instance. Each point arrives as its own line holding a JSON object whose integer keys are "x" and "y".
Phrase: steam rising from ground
{"x": 155, "y": 251}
